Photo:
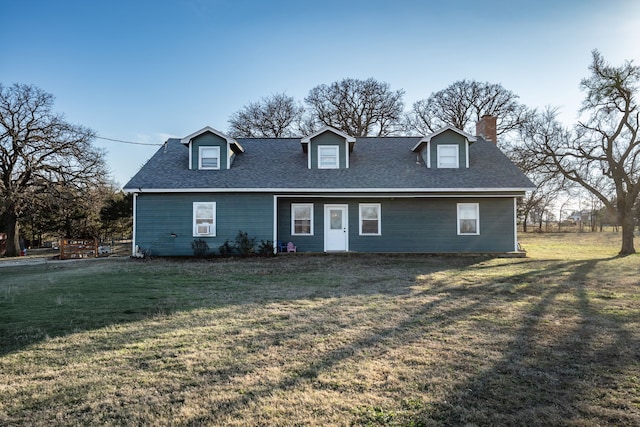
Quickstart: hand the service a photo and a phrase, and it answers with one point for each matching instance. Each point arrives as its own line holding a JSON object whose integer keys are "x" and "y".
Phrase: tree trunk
{"x": 628, "y": 226}
{"x": 525, "y": 218}
{"x": 13, "y": 235}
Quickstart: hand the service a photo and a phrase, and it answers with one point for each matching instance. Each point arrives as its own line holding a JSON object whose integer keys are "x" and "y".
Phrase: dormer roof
{"x": 233, "y": 144}
{"x": 429, "y": 137}
{"x": 308, "y": 138}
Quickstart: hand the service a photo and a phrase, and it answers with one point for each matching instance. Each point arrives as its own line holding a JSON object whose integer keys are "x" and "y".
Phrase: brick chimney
{"x": 486, "y": 128}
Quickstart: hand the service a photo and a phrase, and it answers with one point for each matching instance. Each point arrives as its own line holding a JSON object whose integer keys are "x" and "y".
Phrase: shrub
{"x": 226, "y": 249}
{"x": 265, "y": 248}
{"x": 244, "y": 245}
{"x": 200, "y": 247}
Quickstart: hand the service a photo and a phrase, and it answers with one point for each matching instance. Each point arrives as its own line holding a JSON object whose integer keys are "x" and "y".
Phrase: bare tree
{"x": 604, "y": 155}
{"x": 39, "y": 153}
{"x": 357, "y": 107}
{"x": 536, "y": 131}
{"x": 271, "y": 117}
{"x": 535, "y": 203}
{"x": 463, "y": 103}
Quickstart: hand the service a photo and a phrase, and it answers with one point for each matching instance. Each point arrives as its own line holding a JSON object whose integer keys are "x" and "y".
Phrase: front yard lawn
{"x": 552, "y": 339}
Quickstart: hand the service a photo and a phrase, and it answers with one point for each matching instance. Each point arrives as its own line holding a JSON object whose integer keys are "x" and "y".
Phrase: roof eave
{"x": 235, "y": 145}
{"x": 308, "y": 138}
{"x": 429, "y": 137}
{"x": 329, "y": 190}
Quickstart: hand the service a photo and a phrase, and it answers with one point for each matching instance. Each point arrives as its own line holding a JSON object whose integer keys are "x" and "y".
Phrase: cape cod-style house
{"x": 447, "y": 192}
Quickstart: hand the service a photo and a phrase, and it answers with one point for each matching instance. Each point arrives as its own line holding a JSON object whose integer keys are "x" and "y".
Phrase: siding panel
{"x": 160, "y": 215}
{"x": 425, "y": 225}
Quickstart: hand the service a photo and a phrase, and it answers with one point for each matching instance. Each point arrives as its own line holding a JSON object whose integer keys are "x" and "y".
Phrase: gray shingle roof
{"x": 375, "y": 163}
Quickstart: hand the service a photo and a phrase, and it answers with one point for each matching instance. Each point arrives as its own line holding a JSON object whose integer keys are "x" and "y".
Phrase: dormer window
{"x": 328, "y": 157}
{"x": 209, "y": 157}
{"x": 210, "y": 149}
{"x": 328, "y": 148}
{"x": 446, "y": 148}
{"x": 447, "y": 156}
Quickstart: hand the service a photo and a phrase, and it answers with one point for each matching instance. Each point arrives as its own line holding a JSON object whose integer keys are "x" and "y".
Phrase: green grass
{"x": 552, "y": 339}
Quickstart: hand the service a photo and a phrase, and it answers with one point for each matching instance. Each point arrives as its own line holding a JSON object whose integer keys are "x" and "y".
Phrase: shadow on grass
{"x": 541, "y": 379}
{"x": 544, "y": 375}
{"x": 53, "y": 300}
{"x": 549, "y": 375}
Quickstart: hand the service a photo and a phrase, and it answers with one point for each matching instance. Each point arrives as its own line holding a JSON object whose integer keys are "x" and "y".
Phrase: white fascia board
{"x": 415, "y": 147}
{"x": 275, "y": 224}
{"x": 466, "y": 149}
{"x": 398, "y": 196}
{"x": 515, "y": 225}
{"x": 346, "y": 156}
{"x": 330, "y": 190}
{"x": 187, "y": 139}
{"x": 427, "y": 139}
{"x": 308, "y": 138}
{"x": 135, "y": 224}
{"x": 428, "y": 148}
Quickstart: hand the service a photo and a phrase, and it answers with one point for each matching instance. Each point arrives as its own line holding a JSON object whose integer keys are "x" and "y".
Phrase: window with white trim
{"x": 209, "y": 158}
{"x": 328, "y": 157}
{"x": 447, "y": 156}
{"x": 302, "y": 219}
{"x": 204, "y": 219}
{"x": 369, "y": 219}
{"x": 468, "y": 218}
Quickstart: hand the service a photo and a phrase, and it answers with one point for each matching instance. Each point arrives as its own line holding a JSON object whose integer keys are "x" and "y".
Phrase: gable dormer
{"x": 328, "y": 148}
{"x": 446, "y": 148}
{"x": 210, "y": 149}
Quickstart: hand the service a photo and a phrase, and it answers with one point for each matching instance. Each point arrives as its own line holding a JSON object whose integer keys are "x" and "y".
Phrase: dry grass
{"x": 553, "y": 339}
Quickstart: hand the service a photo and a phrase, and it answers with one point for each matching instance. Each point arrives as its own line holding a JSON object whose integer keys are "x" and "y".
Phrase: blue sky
{"x": 143, "y": 71}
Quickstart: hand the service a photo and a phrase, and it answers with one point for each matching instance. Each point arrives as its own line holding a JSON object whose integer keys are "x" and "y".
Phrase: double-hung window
{"x": 370, "y": 219}
{"x": 302, "y": 219}
{"x": 468, "y": 218}
{"x": 204, "y": 219}
{"x": 209, "y": 158}
{"x": 447, "y": 156}
{"x": 328, "y": 157}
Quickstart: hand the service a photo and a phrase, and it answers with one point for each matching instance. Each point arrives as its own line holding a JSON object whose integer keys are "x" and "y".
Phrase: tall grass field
{"x": 327, "y": 340}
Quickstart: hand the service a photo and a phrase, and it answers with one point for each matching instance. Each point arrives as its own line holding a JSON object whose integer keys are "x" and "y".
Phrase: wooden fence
{"x": 75, "y": 248}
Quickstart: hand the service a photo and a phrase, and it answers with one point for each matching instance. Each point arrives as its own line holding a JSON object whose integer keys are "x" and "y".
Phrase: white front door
{"x": 336, "y": 233}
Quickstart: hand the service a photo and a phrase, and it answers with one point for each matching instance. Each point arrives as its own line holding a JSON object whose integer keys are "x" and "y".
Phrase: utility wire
{"x": 127, "y": 142}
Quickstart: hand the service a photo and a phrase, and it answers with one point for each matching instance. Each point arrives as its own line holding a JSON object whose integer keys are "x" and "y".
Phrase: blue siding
{"x": 160, "y": 215}
{"x": 426, "y": 225}
{"x": 313, "y": 243}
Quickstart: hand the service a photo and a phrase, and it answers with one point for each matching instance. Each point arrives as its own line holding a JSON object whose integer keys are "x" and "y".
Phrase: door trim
{"x": 345, "y": 224}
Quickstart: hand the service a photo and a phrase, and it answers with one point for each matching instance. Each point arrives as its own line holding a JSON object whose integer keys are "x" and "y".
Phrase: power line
{"x": 127, "y": 142}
